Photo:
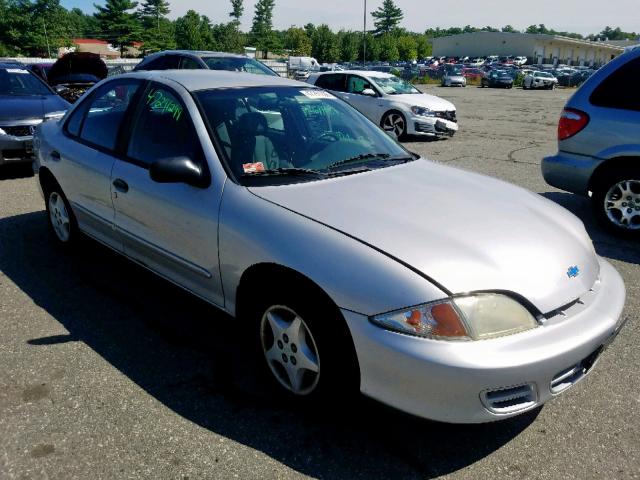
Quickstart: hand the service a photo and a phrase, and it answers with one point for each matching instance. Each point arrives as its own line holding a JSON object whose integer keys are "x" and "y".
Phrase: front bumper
{"x": 15, "y": 149}
{"x": 431, "y": 126}
{"x": 459, "y": 382}
{"x": 569, "y": 172}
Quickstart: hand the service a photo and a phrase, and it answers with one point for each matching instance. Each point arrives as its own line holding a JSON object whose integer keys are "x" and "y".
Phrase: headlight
{"x": 473, "y": 317}
{"x": 423, "y": 112}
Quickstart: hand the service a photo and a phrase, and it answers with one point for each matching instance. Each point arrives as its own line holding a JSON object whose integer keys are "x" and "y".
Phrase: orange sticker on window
{"x": 253, "y": 167}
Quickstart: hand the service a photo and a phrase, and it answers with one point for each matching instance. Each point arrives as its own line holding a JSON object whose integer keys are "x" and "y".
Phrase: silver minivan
{"x": 599, "y": 144}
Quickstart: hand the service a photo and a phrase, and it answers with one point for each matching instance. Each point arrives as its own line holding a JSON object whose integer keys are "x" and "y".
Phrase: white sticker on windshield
{"x": 17, "y": 70}
{"x": 317, "y": 94}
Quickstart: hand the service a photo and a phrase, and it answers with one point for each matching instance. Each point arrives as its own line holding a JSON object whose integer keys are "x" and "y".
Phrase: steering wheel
{"x": 318, "y": 143}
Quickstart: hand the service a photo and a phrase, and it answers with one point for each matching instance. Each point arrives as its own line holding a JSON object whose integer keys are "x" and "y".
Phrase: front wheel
{"x": 394, "y": 122}
{"x": 616, "y": 201}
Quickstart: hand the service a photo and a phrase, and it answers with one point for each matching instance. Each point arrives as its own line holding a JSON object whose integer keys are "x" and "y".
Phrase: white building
{"x": 538, "y": 48}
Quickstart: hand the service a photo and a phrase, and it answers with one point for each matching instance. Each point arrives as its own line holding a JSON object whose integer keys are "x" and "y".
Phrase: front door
{"x": 172, "y": 228}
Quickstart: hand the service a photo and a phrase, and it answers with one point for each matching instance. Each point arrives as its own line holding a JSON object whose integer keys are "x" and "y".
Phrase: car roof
{"x": 197, "y": 53}
{"x": 10, "y": 64}
{"x": 195, "y": 80}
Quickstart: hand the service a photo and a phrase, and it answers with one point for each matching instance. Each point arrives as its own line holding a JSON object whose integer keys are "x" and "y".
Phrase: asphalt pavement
{"x": 109, "y": 372}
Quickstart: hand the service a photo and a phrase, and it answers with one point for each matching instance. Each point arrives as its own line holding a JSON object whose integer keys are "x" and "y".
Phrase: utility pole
{"x": 46, "y": 37}
{"x": 364, "y": 37}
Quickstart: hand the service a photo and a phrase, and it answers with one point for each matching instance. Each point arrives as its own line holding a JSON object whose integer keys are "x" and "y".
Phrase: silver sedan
{"x": 353, "y": 264}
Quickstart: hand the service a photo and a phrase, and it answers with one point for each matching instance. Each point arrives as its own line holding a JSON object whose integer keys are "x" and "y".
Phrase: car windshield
{"x": 19, "y": 81}
{"x": 543, "y": 74}
{"x": 455, "y": 70}
{"x": 271, "y": 132}
{"x": 238, "y": 64}
{"x": 394, "y": 85}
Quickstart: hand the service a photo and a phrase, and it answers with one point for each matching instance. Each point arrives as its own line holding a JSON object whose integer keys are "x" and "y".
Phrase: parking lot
{"x": 109, "y": 372}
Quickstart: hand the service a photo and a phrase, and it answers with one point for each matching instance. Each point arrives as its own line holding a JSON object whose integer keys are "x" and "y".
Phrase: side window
{"x": 75, "y": 121}
{"x": 171, "y": 62}
{"x": 187, "y": 63}
{"x": 106, "y": 111}
{"x": 357, "y": 84}
{"x": 620, "y": 89}
{"x": 162, "y": 129}
{"x": 156, "y": 64}
{"x": 333, "y": 82}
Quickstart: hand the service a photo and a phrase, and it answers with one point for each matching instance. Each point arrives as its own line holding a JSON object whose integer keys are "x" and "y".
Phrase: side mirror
{"x": 369, "y": 92}
{"x": 178, "y": 170}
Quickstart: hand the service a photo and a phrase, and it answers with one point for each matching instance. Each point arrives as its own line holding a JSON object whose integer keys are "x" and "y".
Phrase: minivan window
{"x": 106, "y": 112}
{"x": 620, "y": 89}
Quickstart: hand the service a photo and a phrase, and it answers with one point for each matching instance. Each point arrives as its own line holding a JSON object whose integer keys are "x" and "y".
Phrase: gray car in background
{"x": 348, "y": 262}
{"x": 599, "y": 144}
{"x": 25, "y": 102}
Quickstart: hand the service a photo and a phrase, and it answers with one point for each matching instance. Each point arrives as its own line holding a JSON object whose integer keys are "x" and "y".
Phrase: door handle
{"x": 121, "y": 185}
{"x": 55, "y": 156}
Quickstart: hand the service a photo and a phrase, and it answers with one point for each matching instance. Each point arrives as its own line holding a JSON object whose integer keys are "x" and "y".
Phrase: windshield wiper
{"x": 292, "y": 172}
{"x": 367, "y": 156}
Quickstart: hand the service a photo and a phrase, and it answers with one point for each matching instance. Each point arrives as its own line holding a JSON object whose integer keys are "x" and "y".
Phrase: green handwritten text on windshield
{"x": 161, "y": 102}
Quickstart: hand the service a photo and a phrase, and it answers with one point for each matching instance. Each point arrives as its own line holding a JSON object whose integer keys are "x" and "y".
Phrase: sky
{"x": 581, "y": 16}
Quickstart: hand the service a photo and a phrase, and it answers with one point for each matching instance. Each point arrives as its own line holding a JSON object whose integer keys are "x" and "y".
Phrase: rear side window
{"x": 620, "y": 89}
{"x": 331, "y": 82}
{"x": 105, "y": 113}
{"x": 187, "y": 63}
{"x": 162, "y": 129}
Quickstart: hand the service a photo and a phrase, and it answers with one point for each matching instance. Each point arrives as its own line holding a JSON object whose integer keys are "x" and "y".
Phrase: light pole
{"x": 364, "y": 37}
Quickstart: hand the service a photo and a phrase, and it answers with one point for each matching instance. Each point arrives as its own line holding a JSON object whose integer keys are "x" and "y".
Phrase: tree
{"x": 237, "y": 9}
{"x": 389, "y": 48}
{"x": 424, "y": 47}
{"x": 297, "y": 42}
{"x": 310, "y": 28}
{"x": 117, "y": 25}
{"x": 193, "y": 32}
{"x": 156, "y": 9}
{"x": 349, "y": 45}
{"x": 509, "y": 29}
{"x": 407, "y": 48}
{"x": 228, "y": 38}
{"x": 387, "y": 17}
{"x": 324, "y": 46}
{"x": 158, "y": 32}
{"x": 262, "y": 34}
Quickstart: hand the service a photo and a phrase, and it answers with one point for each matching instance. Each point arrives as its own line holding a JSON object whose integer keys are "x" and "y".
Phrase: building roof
{"x": 542, "y": 36}
{"x": 89, "y": 41}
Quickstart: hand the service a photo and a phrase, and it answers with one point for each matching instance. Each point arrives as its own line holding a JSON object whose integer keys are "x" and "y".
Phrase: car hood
{"x": 465, "y": 231}
{"x": 424, "y": 100}
{"x": 16, "y": 108}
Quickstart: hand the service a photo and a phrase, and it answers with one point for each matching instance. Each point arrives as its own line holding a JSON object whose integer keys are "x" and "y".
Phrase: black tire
{"x": 55, "y": 200}
{"x": 599, "y": 202}
{"x": 338, "y": 376}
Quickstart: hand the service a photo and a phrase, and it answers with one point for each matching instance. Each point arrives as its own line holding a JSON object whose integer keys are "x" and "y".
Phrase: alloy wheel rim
{"x": 59, "y": 217}
{"x": 394, "y": 123}
{"x": 622, "y": 204}
{"x": 290, "y": 350}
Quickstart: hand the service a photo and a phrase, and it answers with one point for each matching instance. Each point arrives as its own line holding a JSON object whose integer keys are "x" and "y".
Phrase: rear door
{"x": 169, "y": 227}
{"x": 93, "y": 131}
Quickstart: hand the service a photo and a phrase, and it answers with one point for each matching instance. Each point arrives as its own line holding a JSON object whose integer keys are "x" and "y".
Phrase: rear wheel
{"x": 61, "y": 219}
{"x": 394, "y": 122}
{"x": 616, "y": 200}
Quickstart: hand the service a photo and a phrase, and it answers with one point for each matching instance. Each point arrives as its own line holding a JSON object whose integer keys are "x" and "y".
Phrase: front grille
{"x": 510, "y": 400}
{"x": 19, "y": 130}
{"x": 16, "y": 153}
{"x": 451, "y": 115}
{"x": 570, "y": 376}
{"x": 424, "y": 127}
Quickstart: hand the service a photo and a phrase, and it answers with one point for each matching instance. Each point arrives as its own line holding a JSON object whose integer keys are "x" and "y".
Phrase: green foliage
{"x": 349, "y": 43}
{"x": 237, "y": 9}
{"x": 117, "y": 24}
{"x": 228, "y": 38}
{"x": 387, "y": 17}
{"x": 158, "y": 32}
{"x": 262, "y": 35}
{"x": 324, "y": 45}
{"x": 297, "y": 42}
{"x": 389, "y": 48}
{"x": 193, "y": 32}
{"x": 407, "y": 48}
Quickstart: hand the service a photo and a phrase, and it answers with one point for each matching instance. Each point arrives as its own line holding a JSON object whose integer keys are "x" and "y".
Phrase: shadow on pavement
{"x": 192, "y": 358}
{"x": 16, "y": 170}
{"x": 607, "y": 244}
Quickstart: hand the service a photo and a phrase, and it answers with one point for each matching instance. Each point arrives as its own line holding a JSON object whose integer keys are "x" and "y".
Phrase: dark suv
{"x": 202, "y": 60}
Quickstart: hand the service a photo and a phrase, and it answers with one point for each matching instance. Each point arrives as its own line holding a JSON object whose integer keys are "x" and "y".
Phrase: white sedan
{"x": 394, "y": 104}
{"x": 539, "y": 80}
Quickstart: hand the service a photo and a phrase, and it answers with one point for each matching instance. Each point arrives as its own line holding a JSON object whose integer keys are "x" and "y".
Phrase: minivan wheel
{"x": 306, "y": 348}
{"x": 616, "y": 200}
{"x": 61, "y": 219}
